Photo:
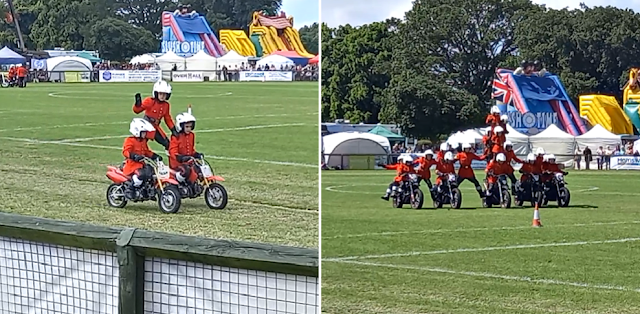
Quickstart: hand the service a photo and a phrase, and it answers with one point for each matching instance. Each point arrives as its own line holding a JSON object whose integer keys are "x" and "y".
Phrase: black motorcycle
{"x": 499, "y": 193}
{"x": 408, "y": 193}
{"x": 556, "y": 190}
{"x": 448, "y": 192}
{"x": 529, "y": 190}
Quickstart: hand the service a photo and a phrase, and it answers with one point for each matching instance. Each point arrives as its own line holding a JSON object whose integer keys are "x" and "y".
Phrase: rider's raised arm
{"x": 146, "y": 104}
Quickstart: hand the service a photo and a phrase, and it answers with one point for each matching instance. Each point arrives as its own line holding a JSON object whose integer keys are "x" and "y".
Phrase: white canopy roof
{"x": 598, "y": 136}
{"x": 553, "y": 132}
{"x": 142, "y": 59}
{"x": 555, "y": 141}
{"x": 275, "y": 60}
{"x": 231, "y": 59}
{"x": 350, "y": 143}
{"x": 201, "y": 61}
{"x": 167, "y": 60}
{"x": 67, "y": 63}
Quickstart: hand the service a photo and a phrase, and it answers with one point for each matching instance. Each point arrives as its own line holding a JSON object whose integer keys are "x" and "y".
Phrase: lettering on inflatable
{"x": 530, "y": 120}
{"x": 182, "y": 47}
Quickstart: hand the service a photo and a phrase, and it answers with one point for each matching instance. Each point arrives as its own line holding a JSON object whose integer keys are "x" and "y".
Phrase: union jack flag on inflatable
{"x": 501, "y": 90}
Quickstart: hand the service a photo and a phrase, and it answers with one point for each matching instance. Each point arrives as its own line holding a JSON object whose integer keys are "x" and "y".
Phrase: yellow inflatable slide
{"x": 237, "y": 40}
{"x": 606, "y": 111}
{"x": 277, "y": 33}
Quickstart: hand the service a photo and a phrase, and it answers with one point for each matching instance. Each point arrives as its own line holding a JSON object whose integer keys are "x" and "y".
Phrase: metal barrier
{"x": 66, "y": 267}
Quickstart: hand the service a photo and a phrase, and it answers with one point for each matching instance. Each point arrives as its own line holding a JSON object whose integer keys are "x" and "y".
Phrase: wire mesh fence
{"x": 57, "y": 267}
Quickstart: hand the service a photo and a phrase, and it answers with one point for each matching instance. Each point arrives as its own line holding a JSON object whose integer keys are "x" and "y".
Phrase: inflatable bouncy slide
{"x": 534, "y": 102}
{"x": 268, "y": 34}
{"x": 187, "y": 33}
{"x": 605, "y": 110}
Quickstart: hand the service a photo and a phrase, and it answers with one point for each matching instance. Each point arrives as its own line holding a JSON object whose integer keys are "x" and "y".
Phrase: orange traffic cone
{"x": 536, "y": 217}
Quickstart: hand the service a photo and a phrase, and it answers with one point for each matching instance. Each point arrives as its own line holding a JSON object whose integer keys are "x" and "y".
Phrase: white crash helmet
{"x": 495, "y": 109}
{"x": 498, "y": 129}
{"x": 504, "y": 118}
{"x": 540, "y": 151}
{"x": 407, "y": 158}
{"x": 466, "y": 145}
{"x": 139, "y": 125}
{"x": 549, "y": 157}
{"x": 444, "y": 146}
{"x": 183, "y": 118}
{"x": 428, "y": 153}
{"x": 448, "y": 156}
{"x": 531, "y": 157}
{"x": 507, "y": 143}
{"x": 161, "y": 86}
{"x": 501, "y": 157}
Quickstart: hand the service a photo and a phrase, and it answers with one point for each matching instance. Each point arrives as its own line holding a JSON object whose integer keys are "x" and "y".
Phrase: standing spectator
{"x": 577, "y": 158}
{"x": 607, "y": 158}
{"x": 22, "y": 76}
{"x": 599, "y": 159}
{"x": 588, "y": 157}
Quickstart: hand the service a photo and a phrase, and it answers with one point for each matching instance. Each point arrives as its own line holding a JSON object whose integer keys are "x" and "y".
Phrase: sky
{"x": 358, "y": 12}
{"x": 304, "y": 12}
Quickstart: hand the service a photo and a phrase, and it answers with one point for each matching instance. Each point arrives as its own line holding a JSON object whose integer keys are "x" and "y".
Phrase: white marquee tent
{"x": 201, "y": 61}
{"x": 351, "y": 143}
{"x": 167, "y": 60}
{"x": 555, "y": 141}
{"x": 520, "y": 141}
{"x": 275, "y": 60}
{"x": 143, "y": 59}
{"x": 470, "y": 136}
{"x": 56, "y": 66}
{"x": 598, "y": 136}
{"x": 232, "y": 59}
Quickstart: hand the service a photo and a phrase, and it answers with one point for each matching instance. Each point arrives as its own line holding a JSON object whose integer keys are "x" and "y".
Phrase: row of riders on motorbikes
{"x": 542, "y": 178}
{"x": 143, "y": 176}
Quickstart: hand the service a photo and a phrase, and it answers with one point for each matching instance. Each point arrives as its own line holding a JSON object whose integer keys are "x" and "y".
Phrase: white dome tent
{"x": 56, "y": 67}
{"x": 232, "y": 59}
{"x": 598, "y": 136}
{"x": 201, "y": 61}
{"x": 167, "y": 60}
{"x": 555, "y": 141}
{"x": 336, "y": 146}
{"x": 520, "y": 141}
{"x": 275, "y": 60}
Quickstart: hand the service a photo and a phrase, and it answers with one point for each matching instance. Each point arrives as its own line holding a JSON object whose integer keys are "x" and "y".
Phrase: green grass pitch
{"x": 57, "y": 140}
{"x": 377, "y": 259}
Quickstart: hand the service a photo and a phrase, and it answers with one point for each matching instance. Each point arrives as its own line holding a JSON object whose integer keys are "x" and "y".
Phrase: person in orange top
{"x": 550, "y": 168}
{"x": 134, "y": 149}
{"x": 403, "y": 168}
{"x": 13, "y": 72}
{"x": 443, "y": 168}
{"x": 495, "y": 168}
{"x": 155, "y": 109}
{"x": 527, "y": 168}
{"x": 444, "y": 148}
{"x": 465, "y": 172}
{"x": 511, "y": 156}
{"x": 183, "y": 147}
{"x": 22, "y": 73}
{"x": 494, "y": 116}
{"x": 424, "y": 164}
{"x": 537, "y": 165}
{"x": 497, "y": 139}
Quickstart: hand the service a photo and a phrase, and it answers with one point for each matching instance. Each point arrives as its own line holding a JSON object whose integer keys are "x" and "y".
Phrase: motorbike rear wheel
{"x": 115, "y": 196}
{"x": 215, "y": 195}
{"x": 396, "y": 201}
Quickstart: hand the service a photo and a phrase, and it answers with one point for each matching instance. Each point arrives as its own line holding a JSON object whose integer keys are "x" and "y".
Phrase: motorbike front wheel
{"x": 216, "y": 196}
{"x": 170, "y": 200}
{"x": 418, "y": 199}
{"x": 456, "y": 200}
{"x": 564, "y": 196}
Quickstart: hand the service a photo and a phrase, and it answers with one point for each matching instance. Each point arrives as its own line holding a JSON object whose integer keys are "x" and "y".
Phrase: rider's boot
{"x": 386, "y": 195}
{"x": 480, "y": 192}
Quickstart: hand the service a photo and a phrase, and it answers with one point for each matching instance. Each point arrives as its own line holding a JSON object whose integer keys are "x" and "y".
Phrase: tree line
{"x": 431, "y": 73}
{"x": 120, "y": 29}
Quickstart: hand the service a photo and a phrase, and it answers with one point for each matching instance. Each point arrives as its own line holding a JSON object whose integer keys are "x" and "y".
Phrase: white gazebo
{"x": 557, "y": 142}
{"x": 167, "y": 60}
{"x": 231, "y": 60}
{"x": 201, "y": 61}
{"x": 275, "y": 60}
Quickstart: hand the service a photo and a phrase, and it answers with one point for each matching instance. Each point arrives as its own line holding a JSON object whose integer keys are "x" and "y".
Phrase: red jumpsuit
{"x": 183, "y": 144}
{"x": 526, "y": 170}
{"x": 154, "y": 112}
{"x": 511, "y": 155}
{"x": 497, "y": 169}
{"x": 492, "y": 119}
{"x": 498, "y": 142}
{"x": 537, "y": 165}
{"x": 444, "y": 168}
{"x": 134, "y": 145}
{"x": 549, "y": 167}
{"x": 402, "y": 171}
{"x": 425, "y": 165}
{"x": 465, "y": 159}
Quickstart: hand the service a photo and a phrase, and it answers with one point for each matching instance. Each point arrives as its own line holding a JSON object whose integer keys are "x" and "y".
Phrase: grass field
{"x": 377, "y": 259}
{"x": 57, "y": 140}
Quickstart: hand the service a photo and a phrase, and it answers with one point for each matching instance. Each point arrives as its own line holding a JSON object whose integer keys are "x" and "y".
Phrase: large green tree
{"x": 310, "y": 38}
{"x": 117, "y": 39}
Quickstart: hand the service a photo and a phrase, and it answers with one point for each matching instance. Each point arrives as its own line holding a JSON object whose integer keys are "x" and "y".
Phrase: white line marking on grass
{"x": 251, "y": 127}
{"x": 593, "y": 188}
{"x": 391, "y": 233}
{"x": 111, "y": 95}
{"x": 483, "y": 249}
{"x": 495, "y": 276}
{"x": 282, "y": 163}
{"x": 293, "y": 209}
{"x": 44, "y": 127}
